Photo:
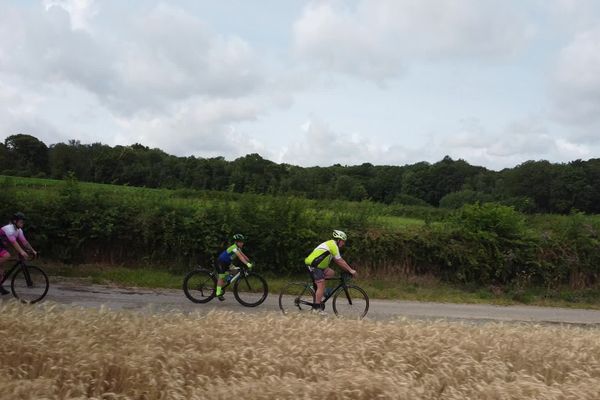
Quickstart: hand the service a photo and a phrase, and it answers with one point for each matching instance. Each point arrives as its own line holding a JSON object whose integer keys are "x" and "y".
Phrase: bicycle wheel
{"x": 294, "y": 296}
{"x": 29, "y": 284}
{"x": 250, "y": 290}
{"x": 351, "y": 302}
{"x": 200, "y": 286}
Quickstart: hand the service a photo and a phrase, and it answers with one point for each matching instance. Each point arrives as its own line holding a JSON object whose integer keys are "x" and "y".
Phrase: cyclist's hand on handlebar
{"x": 249, "y": 265}
{"x": 24, "y": 256}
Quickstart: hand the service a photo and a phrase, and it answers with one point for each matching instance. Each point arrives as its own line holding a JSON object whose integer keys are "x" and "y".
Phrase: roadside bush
{"x": 480, "y": 244}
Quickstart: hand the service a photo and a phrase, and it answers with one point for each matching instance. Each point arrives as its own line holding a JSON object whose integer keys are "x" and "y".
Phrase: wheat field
{"x": 57, "y": 352}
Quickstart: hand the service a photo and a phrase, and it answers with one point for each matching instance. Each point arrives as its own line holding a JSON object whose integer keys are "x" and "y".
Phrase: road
{"x": 118, "y": 298}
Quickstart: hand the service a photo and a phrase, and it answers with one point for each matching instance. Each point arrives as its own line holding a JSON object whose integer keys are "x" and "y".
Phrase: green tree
{"x": 28, "y": 154}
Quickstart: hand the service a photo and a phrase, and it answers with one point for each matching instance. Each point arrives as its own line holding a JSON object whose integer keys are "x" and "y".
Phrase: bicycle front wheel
{"x": 200, "y": 286}
{"x": 29, "y": 284}
{"x": 296, "y": 298}
{"x": 351, "y": 302}
{"x": 250, "y": 290}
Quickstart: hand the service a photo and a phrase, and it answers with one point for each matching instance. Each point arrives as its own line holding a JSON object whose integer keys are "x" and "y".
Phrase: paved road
{"x": 170, "y": 299}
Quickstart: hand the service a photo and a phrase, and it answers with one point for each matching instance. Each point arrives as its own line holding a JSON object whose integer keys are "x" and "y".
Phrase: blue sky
{"x": 493, "y": 82}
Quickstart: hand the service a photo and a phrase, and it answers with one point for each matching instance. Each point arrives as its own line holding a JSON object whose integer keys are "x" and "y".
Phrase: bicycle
{"x": 249, "y": 288}
{"x": 29, "y": 283}
{"x": 348, "y": 300}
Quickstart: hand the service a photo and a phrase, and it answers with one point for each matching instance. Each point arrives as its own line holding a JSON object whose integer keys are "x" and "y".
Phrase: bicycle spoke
{"x": 351, "y": 302}
{"x": 30, "y": 284}
{"x": 294, "y": 298}
{"x": 250, "y": 290}
{"x": 199, "y": 286}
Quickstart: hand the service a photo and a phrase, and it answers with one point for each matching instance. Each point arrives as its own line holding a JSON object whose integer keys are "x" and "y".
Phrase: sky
{"x": 388, "y": 82}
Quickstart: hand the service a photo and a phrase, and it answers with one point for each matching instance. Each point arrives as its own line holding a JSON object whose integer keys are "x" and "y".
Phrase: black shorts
{"x": 222, "y": 268}
{"x": 317, "y": 274}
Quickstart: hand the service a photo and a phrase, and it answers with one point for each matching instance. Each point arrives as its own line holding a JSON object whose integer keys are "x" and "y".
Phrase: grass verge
{"x": 414, "y": 288}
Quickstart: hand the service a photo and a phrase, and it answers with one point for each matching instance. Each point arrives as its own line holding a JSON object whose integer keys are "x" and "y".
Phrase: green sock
{"x": 219, "y": 290}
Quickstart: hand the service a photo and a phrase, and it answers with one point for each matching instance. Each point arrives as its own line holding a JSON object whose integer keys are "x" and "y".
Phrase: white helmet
{"x": 339, "y": 235}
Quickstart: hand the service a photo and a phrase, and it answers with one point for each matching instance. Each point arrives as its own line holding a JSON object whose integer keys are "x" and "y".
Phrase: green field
{"x": 377, "y": 215}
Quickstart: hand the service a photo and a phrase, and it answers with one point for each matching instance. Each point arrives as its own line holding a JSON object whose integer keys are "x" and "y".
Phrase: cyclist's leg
{"x": 329, "y": 273}
{"x": 318, "y": 275}
{"x": 4, "y": 257}
{"x": 222, "y": 271}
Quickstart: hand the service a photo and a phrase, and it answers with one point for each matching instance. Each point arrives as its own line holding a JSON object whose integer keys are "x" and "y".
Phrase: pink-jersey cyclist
{"x": 11, "y": 235}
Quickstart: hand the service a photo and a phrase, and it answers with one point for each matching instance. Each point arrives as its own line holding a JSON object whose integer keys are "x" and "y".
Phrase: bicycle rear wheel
{"x": 351, "y": 302}
{"x": 294, "y": 297}
{"x": 200, "y": 286}
{"x": 250, "y": 290}
{"x": 29, "y": 284}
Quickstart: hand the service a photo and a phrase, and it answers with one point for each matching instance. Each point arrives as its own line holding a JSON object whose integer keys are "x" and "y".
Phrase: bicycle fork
{"x": 27, "y": 277}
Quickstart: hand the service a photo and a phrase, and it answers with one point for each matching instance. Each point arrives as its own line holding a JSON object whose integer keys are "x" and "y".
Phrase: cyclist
{"x": 318, "y": 262}
{"x": 226, "y": 258}
{"x": 12, "y": 235}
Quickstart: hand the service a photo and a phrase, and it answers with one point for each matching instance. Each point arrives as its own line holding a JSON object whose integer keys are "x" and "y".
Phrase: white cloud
{"x": 375, "y": 40}
{"x": 318, "y": 144}
{"x": 162, "y": 56}
{"x": 571, "y": 14}
{"x": 171, "y": 55}
{"x": 576, "y": 86}
{"x": 80, "y": 11}
{"x": 18, "y": 114}
{"x": 521, "y": 140}
{"x": 182, "y": 76}
{"x": 198, "y": 126}
{"x": 162, "y": 76}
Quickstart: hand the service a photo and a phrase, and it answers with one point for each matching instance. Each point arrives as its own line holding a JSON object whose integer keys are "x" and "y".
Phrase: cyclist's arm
{"x": 343, "y": 264}
{"x": 243, "y": 258}
{"x": 18, "y": 247}
{"x": 29, "y": 247}
{"x": 25, "y": 243}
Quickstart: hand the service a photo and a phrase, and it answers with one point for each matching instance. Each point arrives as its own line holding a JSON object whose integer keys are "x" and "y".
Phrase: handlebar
{"x": 346, "y": 276}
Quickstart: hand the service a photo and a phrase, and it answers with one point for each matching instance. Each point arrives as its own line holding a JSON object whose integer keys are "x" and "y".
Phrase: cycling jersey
{"x": 10, "y": 234}
{"x": 322, "y": 254}
{"x": 227, "y": 256}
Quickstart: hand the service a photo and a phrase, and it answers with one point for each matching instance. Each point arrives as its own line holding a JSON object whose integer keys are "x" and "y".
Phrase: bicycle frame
{"x": 19, "y": 264}
{"x": 234, "y": 277}
{"x": 341, "y": 285}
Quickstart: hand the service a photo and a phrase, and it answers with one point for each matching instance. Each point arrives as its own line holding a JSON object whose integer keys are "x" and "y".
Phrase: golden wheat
{"x": 56, "y": 352}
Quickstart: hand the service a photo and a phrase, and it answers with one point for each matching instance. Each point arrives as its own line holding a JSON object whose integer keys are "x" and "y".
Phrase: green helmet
{"x": 238, "y": 237}
{"x": 339, "y": 235}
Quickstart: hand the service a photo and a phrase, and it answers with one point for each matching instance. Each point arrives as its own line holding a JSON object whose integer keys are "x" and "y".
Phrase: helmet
{"x": 18, "y": 216}
{"x": 238, "y": 237}
{"x": 339, "y": 235}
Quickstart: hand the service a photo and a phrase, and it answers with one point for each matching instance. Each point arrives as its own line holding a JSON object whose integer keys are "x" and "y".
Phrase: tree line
{"x": 532, "y": 187}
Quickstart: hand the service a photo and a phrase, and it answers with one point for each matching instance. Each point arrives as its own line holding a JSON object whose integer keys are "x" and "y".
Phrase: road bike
{"x": 29, "y": 283}
{"x": 249, "y": 288}
{"x": 348, "y": 300}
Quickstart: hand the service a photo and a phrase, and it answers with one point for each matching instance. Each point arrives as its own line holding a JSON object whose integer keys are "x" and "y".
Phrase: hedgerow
{"x": 481, "y": 244}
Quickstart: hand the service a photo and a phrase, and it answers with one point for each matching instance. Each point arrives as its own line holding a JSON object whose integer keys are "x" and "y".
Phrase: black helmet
{"x": 238, "y": 237}
{"x": 18, "y": 216}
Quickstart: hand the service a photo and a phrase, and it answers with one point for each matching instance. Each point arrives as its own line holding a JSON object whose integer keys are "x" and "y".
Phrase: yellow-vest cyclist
{"x": 225, "y": 259}
{"x": 318, "y": 262}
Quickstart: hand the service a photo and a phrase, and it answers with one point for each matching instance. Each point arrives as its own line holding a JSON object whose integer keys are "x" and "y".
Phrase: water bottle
{"x": 229, "y": 278}
{"x": 328, "y": 291}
